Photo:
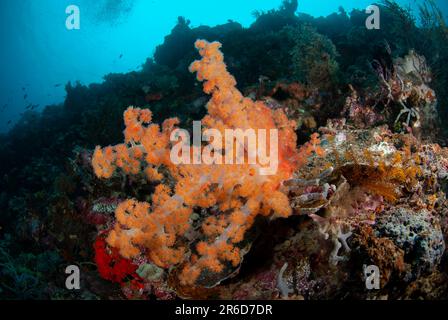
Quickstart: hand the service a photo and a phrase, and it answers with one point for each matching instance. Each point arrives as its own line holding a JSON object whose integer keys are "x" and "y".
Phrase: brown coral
{"x": 381, "y": 252}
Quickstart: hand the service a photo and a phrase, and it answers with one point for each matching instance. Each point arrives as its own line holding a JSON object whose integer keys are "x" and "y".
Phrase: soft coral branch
{"x": 236, "y": 191}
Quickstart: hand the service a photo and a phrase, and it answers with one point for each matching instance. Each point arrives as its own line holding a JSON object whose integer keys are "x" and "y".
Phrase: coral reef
{"x": 361, "y": 180}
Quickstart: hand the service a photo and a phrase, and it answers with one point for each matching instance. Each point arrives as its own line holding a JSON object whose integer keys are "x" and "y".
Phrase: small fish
{"x": 9, "y": 122}
{"x": 25, "y": 96}
{"x": 57, "y": 85}
{"x": 29, "y": 106}
{"x": 23, "y": 88}
{"x": 121, "y": 56}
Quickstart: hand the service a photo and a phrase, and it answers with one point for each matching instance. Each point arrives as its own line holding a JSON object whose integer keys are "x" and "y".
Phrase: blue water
{"x": 39, "y": 55}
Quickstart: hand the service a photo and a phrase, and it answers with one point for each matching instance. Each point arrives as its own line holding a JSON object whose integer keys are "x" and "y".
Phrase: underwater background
{"x": 361, "y": 114}
{"x": 122, "y": 33}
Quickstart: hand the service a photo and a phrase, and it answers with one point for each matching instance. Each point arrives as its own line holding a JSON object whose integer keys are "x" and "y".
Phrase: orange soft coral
{"x": 229, "y": 109}
{"x": 237, "y": 191}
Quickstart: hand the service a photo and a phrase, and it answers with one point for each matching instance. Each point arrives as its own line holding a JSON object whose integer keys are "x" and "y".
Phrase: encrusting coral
{"x": 234, "y": 194}
{"x": 361, "y": 172}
